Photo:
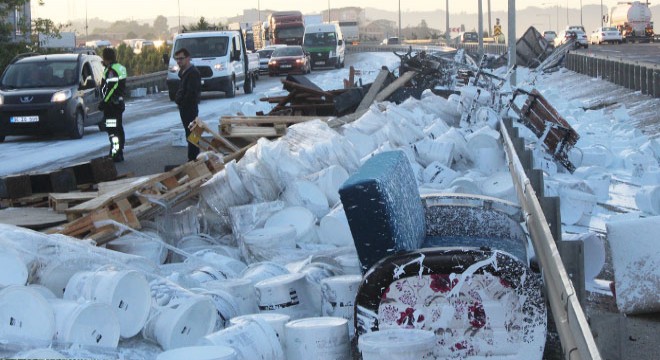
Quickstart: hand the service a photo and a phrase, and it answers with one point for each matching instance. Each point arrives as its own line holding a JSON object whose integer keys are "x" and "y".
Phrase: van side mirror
{"x": 166, "y": 59}
{"x": 88, "y": 82}
{"x": 340, "y": 42}
{"x": 235, "y": 55}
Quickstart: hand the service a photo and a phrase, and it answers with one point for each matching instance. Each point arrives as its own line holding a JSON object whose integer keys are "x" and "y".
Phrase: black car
{"x": 49, "y": 94}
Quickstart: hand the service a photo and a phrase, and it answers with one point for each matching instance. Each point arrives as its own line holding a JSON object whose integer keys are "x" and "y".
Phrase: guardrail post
{"x": 551, "y": 210}
{"x": 619, "y": 73}
{"x": 593, "y": 65}
{"x": 656, "y": 83}
{"x": 630, "y": 74}
{"x": 526, "y": 158}
{"x": 607, "y": 73}
{"x": 644, "y": 85}
{"x": 572, "y": 255}
{"x": 535, "y": 177}
{"x": 637, "y": 82}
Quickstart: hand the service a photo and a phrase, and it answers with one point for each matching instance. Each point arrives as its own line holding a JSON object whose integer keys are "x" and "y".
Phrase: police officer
{"x": 112, "y": 90}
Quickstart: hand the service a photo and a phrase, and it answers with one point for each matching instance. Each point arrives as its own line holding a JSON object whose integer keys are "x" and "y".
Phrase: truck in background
{"x": 351, "y": 31}
{"x": 286, "y": 27}
{"x": 633, "y": 19}
{"x": 325, "y": 44}
{"x": 260, "y": 35}
{"x": 66, "y": 40}
{"x": 221, "y": 58}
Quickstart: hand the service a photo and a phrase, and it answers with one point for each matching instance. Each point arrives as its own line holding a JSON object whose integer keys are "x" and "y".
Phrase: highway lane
{"x": 637, "y": 52}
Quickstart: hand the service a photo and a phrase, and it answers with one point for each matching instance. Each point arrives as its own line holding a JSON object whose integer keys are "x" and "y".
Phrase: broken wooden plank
{"x": 399, "y": 82}
{"x": 198, "y": 126}
{"x": 290, "y": 86}
{"x": 31, "y": 218}
{"x": 269, "y": 119}
{"x": 375, "y": 88}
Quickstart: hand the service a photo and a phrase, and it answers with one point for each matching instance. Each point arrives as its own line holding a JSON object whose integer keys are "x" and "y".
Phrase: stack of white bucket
{"x": 267, "y": 255}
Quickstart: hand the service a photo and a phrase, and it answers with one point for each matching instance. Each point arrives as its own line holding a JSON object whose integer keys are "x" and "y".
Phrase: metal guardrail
{"x": 571, "y": 322}
{"x": 153, "y": 82}
{"x": 496, "y": 49}
{"x": 634, "y": 75}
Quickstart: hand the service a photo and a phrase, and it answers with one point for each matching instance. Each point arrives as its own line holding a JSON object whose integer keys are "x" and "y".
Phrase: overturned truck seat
{"x": 453, "y": 264}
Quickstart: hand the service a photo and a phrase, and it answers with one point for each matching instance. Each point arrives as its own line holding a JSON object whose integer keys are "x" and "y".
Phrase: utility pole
{"x": 400, "y": 22}
{"x": 481, "y": 30}
{"x": 447, "y": 20}
{"x": 581, "y": 23}
{"x": 178, "y": 2}
{"x": 490, "y": 26}
{"x": 511, "y": 38}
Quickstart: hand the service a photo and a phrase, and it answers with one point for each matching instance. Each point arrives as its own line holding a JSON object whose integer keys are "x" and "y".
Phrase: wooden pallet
{"x": 127, "y": 202}
{"x": 62, "y": 201}
{"x": 216, "y": 143}
{"x": 261, "y": 126}
{"x": 33, "y": 200}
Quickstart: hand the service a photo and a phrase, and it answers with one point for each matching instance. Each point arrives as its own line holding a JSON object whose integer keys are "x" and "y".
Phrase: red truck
{"x": 286, "y": 27}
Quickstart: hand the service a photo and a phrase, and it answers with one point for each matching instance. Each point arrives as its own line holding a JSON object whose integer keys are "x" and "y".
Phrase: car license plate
{"x": 286, "y": 66}
{"x": 319, "y": 63}
{"x": 23, "y": 119}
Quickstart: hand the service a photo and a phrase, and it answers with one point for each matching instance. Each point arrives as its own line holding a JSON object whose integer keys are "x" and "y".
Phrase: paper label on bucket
{"x": 293, "y": 302}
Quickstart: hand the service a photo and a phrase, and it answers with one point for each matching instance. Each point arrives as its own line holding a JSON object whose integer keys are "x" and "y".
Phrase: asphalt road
{"x": 638, "y": 52}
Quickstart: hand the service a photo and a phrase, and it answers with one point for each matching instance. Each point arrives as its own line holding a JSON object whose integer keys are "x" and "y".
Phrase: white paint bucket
{"x": 178, "y": 136}
{"x": 125, "y": 291}
{"x": 329, "y": 180}
{"x": 647, "y": 199}
{"x": 306, "y": 194}
{"x": 148, "y": 245}
{"x": 206, "y": 352}
{"x": 350, "y": 264}
{"x": 338, "y": 297}
{"x": 597, "y": 178}
{"x": 317, "y": 338}
{"x": 484, "y": 150}
{"x": 315, "y": 272}
{"x": 594, "y": 253}
{"x": 225, "y": 304}
{"x": 194, "y": 241}
{"x": 334, "y": 228}
{"x": 440, "y": 174}
{"x": 363, "y": 144}
{"x": 595, "y": 155}
{"x": 499, "y": 185}
{"x": 464, "y": 185}
{"x": 251, "y": 339}
{"x": 651, "y": 176}
{"x": 397, "y": 344}
{"x": 262, "y": 271}
{"x": 575, "y": 204}
{"x": 56, "y": 274}
{"x": 204, "y": 274}
{"x": 637, "y": 162}
{"x": 25, "y": 315}
{"x": 264, "y": 243}
{"x": 285, "y": 294}
{"x": 460, "y": 145}
{"x": 14, "y": 271}
{"x": 428, "y": 151}
{"x": 275, "y": 320}
{"x": 86, "y": 323}
{"x": 241, "y": 289}
{"x": 225, "y": 264}
{"x": 300, "y": 218}
{"x": 45, "y": 353}
{"x": 436, "y": 129}
{"x": 178, "y": 318}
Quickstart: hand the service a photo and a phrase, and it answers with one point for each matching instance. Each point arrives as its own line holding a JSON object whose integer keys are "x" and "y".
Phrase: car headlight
{"x": 174, "y": 68}
{"x": 300, "y": 61}
{"x": 61, "y": 96}
{"x": 2, "y": 100}
{"x": 219, "y": 66}
{"x": 272, "y": 62}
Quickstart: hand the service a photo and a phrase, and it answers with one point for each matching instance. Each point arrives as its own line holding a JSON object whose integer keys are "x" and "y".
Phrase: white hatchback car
{"x": 566, "y": 35}
{"x": 608, "y": 34}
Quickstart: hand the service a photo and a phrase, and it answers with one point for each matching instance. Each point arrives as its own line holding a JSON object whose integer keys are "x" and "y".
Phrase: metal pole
{"x": 328, "y": 11}
{"x": 400, "y": 21}
{"x": 601, "y": 12}
{"x": 481, "y": 29}
{"x": 179, "y": 4}
{"x": 86, "y": 25}
{"x": 447, "y": 20}
{"x": 511, "y": 38}
{"x": 557, "y": 6}
{"x": 566, "y": 13}
{"x": 490, "y": 26}
{"x": 581, "y": 23}
{"x": 259, "y": 11}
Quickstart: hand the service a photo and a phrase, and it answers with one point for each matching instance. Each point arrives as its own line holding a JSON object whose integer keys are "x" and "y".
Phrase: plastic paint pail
{"x": 338, "y": 297}
{"x": 648, "y": 199}
{"x": 308, "y": 195}
{"x": 318, "y": 338}
{"x": 397, "y": 344}
{"x": 207, "y": 352}
{"x": 264, "y": 243}
{"x": 262, "y": 271}
{"x": 241, "y": 289}
{"x": 251, "y": 338}
{"x": 275, "y": 320}
{"x": 225, "y": 304}
{"x": 285, "y": 294}
{"x": 301, "y": 218}
{"x": 334, "y": 228}
{"x": 14, "y": 271}
{"x": 25, "y": 315}
{"x": 86, "y": 323}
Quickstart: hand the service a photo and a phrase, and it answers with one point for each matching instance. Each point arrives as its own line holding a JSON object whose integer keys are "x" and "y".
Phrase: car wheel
{"x": 77, "y": 126}
{"x": 2, "y": 138}
{"x": 248, "y": 85}
{"x": 231, "y": 91}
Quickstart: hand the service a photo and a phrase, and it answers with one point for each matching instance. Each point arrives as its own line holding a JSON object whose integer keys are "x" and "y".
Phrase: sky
{"x": 61, "y": 11}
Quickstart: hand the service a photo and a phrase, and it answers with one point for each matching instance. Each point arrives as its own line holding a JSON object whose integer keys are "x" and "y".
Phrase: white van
{"x": 220, "y": 57}
{"x": 325, "y": 44}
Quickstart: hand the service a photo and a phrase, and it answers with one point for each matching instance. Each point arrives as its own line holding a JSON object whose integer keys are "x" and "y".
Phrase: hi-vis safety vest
{"x": 111, "y": 84}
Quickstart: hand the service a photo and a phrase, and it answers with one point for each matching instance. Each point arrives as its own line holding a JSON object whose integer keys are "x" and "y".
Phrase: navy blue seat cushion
{"x": 383, "y": 208}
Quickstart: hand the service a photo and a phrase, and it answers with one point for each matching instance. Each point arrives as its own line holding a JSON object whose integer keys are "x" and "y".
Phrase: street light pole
{"x": 447, "y": 21}
{"x": 178, "y": 2}
{"x": 581, "y": 23}
{"x": 400, "y": 21}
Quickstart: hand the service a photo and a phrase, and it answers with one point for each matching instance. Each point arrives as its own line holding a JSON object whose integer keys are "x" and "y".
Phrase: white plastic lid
{"x": 211, "y": 352}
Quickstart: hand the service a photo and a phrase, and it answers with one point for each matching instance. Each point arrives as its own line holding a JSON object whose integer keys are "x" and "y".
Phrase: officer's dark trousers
{"x": 116, "y": 128}
{"x": 188, "y": 114}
